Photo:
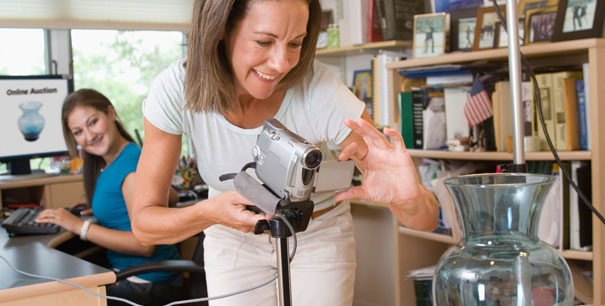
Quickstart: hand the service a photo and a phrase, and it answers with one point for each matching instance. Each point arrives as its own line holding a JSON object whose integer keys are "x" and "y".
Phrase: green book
{"x": 407, "y": 122}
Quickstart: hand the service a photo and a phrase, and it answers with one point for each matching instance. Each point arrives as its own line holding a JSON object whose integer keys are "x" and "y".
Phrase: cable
{"x": 68, "y": 283}
{"x": 532, "y": 75}
{"x": 292, "y": 253}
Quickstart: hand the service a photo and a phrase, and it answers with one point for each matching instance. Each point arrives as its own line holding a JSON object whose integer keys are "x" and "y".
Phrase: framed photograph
{"x": 429, "y": 34}
{"x": 540, "y": 24}
{"x": 579, "y": 19}
{"x": 362, "y": 84}
{"x": 486, "y": 27}
{"x": 501, "y": 39}
{"x": 525, "y": 5}
{"x": 462, "y": 29}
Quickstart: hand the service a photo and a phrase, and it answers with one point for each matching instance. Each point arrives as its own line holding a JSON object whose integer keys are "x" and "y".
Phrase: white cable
{"x": 115, "y": 298}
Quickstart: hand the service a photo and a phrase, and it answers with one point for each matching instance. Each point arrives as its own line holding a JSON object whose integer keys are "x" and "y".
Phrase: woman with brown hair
{"x": 110, "y": 160}
{"x": 249, "y": 61}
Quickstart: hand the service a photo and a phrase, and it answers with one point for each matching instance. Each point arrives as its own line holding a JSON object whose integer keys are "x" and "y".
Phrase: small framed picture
{"x": 501, "y": 39}
{"x": 429, "y": 34}
{"x": 540, "y": 24}
{"x": 579, "y": 19}
{"x": 462, "y": 29}
{"x": 525, "y": 5}
{"x": 485, "y": 31}
{"x": 362, "y": 87}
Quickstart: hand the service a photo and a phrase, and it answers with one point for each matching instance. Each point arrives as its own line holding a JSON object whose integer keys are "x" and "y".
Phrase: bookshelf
{"x": 427, "y": 247}
{"x": 364, "y": 48}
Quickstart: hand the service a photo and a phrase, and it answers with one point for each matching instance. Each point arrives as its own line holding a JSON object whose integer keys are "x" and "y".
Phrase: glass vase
{"x": 501, "y": 260}
{"x": 31, "y": 122}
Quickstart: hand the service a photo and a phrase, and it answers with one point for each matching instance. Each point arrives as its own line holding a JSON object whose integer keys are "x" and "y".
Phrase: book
{"x": 384, "y": 106}
{"x": 586, "y": 74}
{"x": 545, "y": 84}
{"x": 356, "y": 14}
{"x": 417, "y": 118}
{"x": 580, "y": 216}
{"x": 572, "y": 134}
{"x": 502, "y": 107}
{"x": 374, "y": 31}
{"x": 558, "y": 104}
{"x": 434, "y": 128}
{"x": 397, "y": 18}
{"x": 583, "y": 174}
{"x": 551, "y": 219}
{"x": 582, "y": 115}
{"x": 407, "y": 118}
{"x": 456, "y": 123}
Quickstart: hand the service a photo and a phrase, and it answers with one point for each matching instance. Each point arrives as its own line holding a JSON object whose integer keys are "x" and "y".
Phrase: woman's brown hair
{"x": 209, "y": 79}
{"x": 92, "y": 163}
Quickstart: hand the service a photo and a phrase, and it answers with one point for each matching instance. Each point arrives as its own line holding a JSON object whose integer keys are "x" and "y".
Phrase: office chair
{"x": 195, "y": 284}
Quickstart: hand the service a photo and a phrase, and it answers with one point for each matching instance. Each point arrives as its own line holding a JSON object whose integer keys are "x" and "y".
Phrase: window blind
{"x": 97, "y": 14}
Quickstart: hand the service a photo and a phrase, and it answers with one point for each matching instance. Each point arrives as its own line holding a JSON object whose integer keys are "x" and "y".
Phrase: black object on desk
{"x": 21, "y": 222}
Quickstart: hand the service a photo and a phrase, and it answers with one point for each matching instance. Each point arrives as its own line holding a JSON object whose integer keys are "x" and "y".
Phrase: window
{"x": 122, "y": 65}
{"x": 22, "y": 52}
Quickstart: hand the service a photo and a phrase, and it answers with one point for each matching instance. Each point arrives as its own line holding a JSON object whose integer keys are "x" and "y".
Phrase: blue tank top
{"x": 109, "y": 208}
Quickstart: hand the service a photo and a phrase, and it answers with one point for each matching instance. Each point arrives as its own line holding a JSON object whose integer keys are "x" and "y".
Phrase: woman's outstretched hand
{"x": 389, "y": 177}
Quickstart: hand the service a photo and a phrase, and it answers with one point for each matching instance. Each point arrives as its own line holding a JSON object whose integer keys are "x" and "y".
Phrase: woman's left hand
{"x": 389, "y": 175}
{"x": 61, "y": 217}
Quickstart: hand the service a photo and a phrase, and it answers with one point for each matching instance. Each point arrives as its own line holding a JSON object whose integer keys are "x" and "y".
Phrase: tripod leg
{"x": 283, "y": 266}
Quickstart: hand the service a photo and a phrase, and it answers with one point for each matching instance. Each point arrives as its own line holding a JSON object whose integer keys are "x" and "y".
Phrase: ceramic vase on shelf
{"x": 31, "y": 122}
{"x": 501, "y": 260}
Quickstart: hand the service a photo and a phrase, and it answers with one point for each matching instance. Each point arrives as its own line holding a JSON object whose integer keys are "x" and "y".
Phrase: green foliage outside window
{"x": 122, "y": 65}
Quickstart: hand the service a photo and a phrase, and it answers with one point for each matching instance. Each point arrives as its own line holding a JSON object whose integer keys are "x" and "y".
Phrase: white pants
{"x": 322, "y": 272}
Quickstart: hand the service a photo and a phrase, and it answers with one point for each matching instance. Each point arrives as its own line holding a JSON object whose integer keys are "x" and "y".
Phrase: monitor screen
{"x": 30, "y": 117}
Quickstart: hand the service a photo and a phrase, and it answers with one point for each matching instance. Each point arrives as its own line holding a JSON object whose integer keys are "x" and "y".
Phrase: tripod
{"x": 293, "y": 217}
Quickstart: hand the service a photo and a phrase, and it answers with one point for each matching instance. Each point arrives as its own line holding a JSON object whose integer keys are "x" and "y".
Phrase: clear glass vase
{"x": 500, "y": 260}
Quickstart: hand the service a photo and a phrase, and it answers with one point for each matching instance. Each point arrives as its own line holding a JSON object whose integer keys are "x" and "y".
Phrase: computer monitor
{"x": 30, "y": 119}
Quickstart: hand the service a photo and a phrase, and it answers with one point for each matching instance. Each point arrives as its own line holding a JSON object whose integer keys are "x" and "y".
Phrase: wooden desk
{"x": 50, "y": 191}
{"x": 32, "y": 254}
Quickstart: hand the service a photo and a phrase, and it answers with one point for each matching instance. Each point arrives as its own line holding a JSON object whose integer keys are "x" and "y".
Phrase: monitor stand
{"x": 19, "y": 166}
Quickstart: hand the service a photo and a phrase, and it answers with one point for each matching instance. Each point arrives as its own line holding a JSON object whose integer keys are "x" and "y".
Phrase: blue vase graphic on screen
{"x": 31, "y": 122}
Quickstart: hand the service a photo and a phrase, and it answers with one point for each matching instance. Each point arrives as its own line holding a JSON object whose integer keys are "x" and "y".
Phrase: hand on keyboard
{"x": 22, "y": 222}
{"x": 61, "y": 217}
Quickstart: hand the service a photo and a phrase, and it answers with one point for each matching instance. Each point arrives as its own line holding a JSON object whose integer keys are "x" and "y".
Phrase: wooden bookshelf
{"x": 442, "y": 154}
{"x": 364, "y": 48}
{"x": 555, "y": 54}
{"x": 428, "y": 235}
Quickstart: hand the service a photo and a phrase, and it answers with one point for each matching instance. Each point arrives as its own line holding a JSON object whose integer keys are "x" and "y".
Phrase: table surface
{"x": 31, "y": 254}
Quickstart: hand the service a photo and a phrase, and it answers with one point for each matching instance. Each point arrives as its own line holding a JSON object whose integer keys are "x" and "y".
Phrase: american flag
{"x": 478, "y": 107}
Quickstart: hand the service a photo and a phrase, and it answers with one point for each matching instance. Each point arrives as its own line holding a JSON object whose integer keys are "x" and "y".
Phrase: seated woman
{"x": 110, "y": 161}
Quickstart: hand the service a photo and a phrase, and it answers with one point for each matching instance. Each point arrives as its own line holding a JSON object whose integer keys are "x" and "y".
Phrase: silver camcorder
{"x": 292, "y": 168}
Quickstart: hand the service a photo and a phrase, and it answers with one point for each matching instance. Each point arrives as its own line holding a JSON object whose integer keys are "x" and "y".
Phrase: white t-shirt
{"x": 315, "y": 109}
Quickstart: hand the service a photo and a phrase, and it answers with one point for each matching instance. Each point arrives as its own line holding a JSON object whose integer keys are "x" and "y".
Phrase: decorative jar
{"x": 31, "y": 122}
{"x": 501, "y": 260}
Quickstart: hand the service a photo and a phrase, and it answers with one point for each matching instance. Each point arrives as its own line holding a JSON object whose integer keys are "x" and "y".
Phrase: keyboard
{"x": 21, "y": 222}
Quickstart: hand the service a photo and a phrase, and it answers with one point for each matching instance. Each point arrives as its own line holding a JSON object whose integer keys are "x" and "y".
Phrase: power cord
{"x": 115, "y": 298}
{"x": 532, "y": 75}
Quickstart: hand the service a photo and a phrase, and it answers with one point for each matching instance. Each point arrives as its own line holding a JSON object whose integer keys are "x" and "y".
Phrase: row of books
{"x": 432, "y": 116}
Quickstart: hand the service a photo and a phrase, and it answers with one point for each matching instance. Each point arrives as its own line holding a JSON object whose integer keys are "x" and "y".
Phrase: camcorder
{"x": 291, "y": 170}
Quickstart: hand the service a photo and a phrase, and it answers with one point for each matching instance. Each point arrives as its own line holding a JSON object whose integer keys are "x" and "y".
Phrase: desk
{"x": 50, "y": 191}
{"x": 32, "y": 254}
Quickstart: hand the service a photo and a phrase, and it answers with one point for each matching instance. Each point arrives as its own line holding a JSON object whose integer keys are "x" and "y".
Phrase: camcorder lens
{"x": 313, "y": 159}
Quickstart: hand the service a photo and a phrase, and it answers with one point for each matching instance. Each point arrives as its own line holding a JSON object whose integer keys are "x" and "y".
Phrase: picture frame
{"x": 571, "y": 23}
{"x": 362, "y": 84}
{"x": 485, "y": 28}
{"x": 501, "y": 37}
{"x": 430, "y": 32}
{"x": 540, "y": 24}
{"x": 462, "y": 29}
{"x": 524, "y": 5}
